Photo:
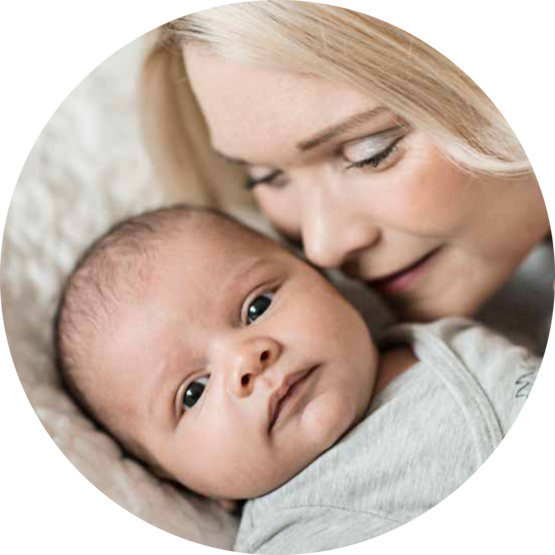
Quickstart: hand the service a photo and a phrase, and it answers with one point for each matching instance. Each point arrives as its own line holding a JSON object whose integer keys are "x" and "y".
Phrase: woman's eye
{"x": 258, "y": 307}
{"x": 269, "y": 179}
{"x": 376, "y": 160}
{"x": 194, "y": 392}
{"x": 375, "y": 150}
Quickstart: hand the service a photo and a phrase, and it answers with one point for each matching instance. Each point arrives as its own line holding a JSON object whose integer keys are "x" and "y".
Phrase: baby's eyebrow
{"x": 156, "y": 392}
{"x": 248, "y": 267}
{"x": 236, "y": 285}
{"x": 168, "y": 377}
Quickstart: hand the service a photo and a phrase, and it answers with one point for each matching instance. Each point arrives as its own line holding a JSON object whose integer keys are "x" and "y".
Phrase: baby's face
{"x": 239, "y": 364}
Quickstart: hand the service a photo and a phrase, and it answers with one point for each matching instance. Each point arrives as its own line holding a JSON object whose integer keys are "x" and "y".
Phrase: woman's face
{"x": 365, "y": 192}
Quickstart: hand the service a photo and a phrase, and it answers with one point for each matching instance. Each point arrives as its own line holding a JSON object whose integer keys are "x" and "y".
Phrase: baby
{"x": 231, "y": 366}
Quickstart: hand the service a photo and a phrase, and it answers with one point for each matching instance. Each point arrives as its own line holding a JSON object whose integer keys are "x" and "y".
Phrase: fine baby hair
{"x": 212, "y": 353}
{"x": 110, "y": 268}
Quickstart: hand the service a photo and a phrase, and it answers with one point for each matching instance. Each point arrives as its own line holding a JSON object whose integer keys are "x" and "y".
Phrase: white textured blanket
{"x": 86, "y": 170}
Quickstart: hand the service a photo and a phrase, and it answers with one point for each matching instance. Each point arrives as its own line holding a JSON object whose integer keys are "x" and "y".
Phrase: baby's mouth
{"x": 284, "y": 398}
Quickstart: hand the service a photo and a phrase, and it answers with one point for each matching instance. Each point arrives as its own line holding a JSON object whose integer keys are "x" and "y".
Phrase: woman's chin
{"x": 430, "y": 310}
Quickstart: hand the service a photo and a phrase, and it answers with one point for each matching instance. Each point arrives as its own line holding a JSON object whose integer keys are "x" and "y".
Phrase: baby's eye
{"x": 258, "y": 307}
{"x": 194, "y": 392}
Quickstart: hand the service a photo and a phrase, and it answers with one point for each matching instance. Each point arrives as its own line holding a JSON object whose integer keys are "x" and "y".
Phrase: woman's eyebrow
{"x": 323, "y": 136}
{"x": 231, "y": 159}
{"x": 340, "y": 128}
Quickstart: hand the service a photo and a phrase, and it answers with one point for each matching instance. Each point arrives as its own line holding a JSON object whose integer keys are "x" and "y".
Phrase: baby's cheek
{"x": 325, "y": 420}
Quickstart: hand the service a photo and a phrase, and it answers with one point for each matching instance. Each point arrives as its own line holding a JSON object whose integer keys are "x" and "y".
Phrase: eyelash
{"x": 251, "y": 183}
{"x": 249, "y": 301}
{"x": 373, "y": 161}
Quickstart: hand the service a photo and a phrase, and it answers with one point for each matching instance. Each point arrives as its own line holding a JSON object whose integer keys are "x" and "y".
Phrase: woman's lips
{"x": 401, "y": 280}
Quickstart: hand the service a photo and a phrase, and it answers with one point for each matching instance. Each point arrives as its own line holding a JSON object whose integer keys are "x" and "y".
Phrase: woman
{"x": 359, "y": 141}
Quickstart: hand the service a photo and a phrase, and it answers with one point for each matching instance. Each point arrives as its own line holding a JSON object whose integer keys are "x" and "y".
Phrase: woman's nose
{"x": 334, "y": 231}
{"x": 252, "y": 358}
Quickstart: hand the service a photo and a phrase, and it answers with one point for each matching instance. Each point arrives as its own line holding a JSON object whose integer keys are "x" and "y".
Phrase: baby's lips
{"x": 279, "y": 395}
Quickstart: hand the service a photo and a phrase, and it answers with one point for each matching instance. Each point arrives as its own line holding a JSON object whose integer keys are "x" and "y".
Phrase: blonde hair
{"x": 394, "y": 68}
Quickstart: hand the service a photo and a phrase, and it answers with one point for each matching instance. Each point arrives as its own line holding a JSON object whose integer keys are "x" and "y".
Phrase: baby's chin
{"x": 327, "y": 420}
{"x": 324, "y": 423}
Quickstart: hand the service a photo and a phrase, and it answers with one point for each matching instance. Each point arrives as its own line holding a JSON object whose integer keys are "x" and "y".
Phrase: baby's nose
{"x": 253, "y": 358}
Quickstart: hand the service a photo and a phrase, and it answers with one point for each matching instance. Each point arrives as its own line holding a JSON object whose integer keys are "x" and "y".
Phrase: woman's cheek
{"x": 426, "y": 195}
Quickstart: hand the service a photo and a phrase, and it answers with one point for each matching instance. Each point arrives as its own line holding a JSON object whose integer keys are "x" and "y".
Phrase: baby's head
{"x": 212, "y": 352}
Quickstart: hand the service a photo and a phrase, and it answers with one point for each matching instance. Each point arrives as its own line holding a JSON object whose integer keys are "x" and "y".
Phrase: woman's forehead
{"x": 271, "y": 110}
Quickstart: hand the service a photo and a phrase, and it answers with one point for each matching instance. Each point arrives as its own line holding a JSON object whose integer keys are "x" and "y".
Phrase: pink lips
{"x": 401, "y": 280}
{"x": 285, "y": 393}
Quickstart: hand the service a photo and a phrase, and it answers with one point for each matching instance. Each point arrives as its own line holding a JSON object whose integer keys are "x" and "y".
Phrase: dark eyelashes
{"x": 251, "y": 182}
{"x": 373, "y": 161}
{"x": 180, "y": 396}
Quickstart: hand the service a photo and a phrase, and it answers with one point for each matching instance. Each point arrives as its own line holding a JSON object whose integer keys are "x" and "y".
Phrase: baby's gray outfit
{"x": 424, "y": 435}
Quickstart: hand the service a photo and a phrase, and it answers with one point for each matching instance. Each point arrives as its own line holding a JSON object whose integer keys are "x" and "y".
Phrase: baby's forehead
{"x": 202, "y": 259}
{"x": 214, "y": 235}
